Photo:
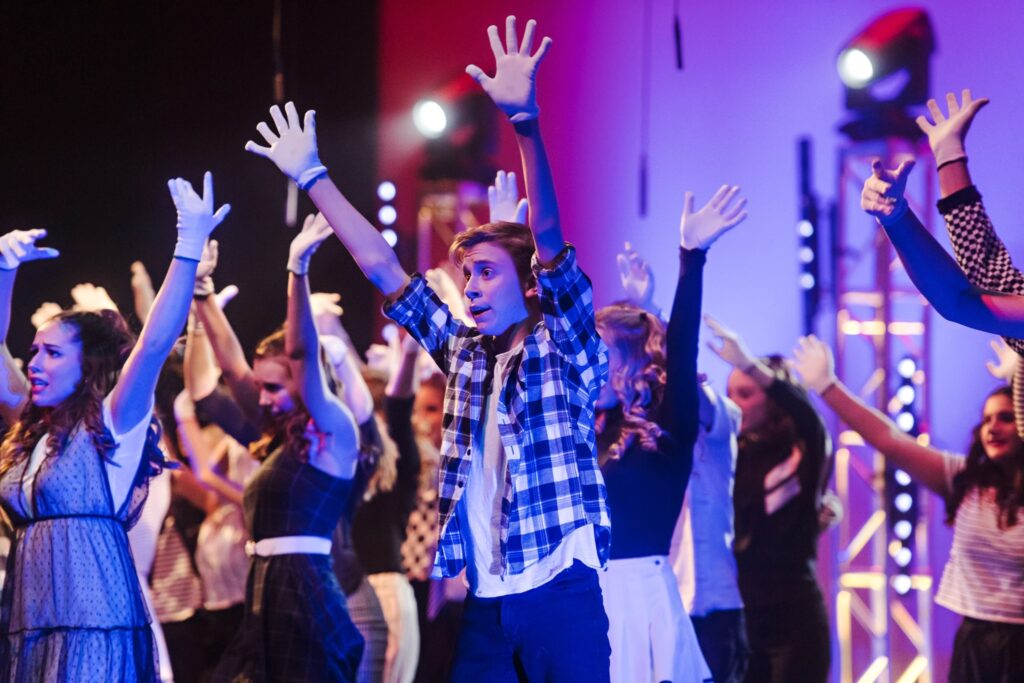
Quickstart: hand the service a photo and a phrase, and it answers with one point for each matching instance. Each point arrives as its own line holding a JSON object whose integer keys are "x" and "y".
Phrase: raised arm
{"x": 514, "y": 90}
{"x": 329, "y": 414}
{"x": 698, "y": 230}
{"x": 201, "y": 458}
{"x": 932, "y": 270}
{"x": 133, "y": 395}
{"x": 813, "y": 361}
{"x": 16, "y": 247}
{"x": 293, "y": 149}
{"x": 227, "y": 351}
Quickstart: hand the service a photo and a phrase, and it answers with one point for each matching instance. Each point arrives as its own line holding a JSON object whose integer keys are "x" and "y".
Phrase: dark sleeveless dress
{"x": 296, "y": 625}
{"x": 72, "y": 609}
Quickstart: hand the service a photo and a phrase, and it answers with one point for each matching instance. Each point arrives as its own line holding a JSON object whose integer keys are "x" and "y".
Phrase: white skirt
{"x": 651, "y": 635}
{"x": 398, "y": 603}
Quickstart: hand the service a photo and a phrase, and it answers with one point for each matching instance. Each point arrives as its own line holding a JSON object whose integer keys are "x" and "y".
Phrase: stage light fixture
{"x": 430, "y": 118}
{"x": 386, "y": 191}
{"x": 390, "y": 236}
{"x": 902, "y": 529}
{"x": 387, "y": 215}
{"x": 884, "y": 69}
{"x": 906, "y": 367}
{"x": 901, "y": 583}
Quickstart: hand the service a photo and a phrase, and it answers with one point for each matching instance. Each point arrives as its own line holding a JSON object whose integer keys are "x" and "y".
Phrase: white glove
{"x": 813, "y": 362}
{"x": 292, "y": 149}
{"x": 513, "y": 87}
{"x": 636, "y": 277}
{"x": 314, "y": 231}
{"x": 882, "y": 196}
{"x": 946, "y": 136}
{"x": 700, "y": 230}
{"x": 503, "y": 200}
{"x": 335, "y": 348}
{"x": 19, "y": 246}
{"x": 89, "y": 297}
{"x": 196, "y": 217}
{"x": 44, "y": 313}
{"x": 730, "y": 346}
{"x": 225, "y": 296}
{"x": 1006, "y": 361}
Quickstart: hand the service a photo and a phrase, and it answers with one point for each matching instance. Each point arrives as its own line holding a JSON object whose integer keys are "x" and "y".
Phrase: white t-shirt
{"x": 984, "y": 577}
{"x": 122, "y": 464}
{"x": 480, "y": 515}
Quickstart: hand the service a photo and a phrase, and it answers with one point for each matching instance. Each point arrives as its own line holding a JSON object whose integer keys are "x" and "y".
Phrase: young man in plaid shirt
{"x": 522, "y": 502}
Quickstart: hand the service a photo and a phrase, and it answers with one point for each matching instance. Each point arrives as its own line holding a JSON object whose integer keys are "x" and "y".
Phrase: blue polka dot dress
{"x": 72, "y": 609}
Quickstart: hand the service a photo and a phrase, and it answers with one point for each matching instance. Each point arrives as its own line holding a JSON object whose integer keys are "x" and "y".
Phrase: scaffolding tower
{"x": 882, "y": 609}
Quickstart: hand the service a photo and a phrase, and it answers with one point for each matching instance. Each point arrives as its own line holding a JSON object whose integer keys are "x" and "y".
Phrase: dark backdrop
{"x": 102, "y": 102}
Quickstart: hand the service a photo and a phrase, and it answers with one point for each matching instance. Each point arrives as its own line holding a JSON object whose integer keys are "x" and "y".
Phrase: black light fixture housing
{"x": 885, "y": 69}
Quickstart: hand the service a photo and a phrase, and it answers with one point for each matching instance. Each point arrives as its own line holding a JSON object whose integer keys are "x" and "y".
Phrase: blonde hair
{"x": 639, "y": 384}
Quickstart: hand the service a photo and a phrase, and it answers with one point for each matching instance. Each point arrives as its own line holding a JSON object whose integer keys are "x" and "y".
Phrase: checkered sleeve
{"x": 978, "y": 250}
{"x": 421, "y": 312}
{"x": 567, "y": 304}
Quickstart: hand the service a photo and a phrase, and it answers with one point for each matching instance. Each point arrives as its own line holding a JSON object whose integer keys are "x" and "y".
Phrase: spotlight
{"x": 387, "y": 215}
{"x": 805, "y": 228}
{"x": 906, "y": 367}
{"x": 901, "y": 584}
{"x": 390, "y": 236}
{"x": 855, "y": 68}
{"x": 906, "y": 394}
{"x": 806, "y": 281}
{"x": 386, "y": 191}
{"x": 902, "y": 529}
{"x": 905, "y": 421}
{"x": 903, "y": 557}
{"x": 885, "y": 69}
{"x": 903, "y": 502}
{"x": 902, "y": 478}
{"x": 429, "y": 118}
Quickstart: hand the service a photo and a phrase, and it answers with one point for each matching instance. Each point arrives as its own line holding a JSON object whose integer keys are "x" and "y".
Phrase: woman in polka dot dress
{"x": 74, "y": 468}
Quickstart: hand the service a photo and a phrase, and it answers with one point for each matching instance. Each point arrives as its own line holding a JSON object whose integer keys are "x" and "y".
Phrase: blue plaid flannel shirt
{"x": 553, "y": 484}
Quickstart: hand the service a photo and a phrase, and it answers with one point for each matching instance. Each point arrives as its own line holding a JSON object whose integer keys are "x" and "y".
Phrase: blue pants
{"x": 557, "y": 633}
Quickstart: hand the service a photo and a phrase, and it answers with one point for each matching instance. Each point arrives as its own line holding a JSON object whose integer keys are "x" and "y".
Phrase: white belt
{"x": 288, "y": 545}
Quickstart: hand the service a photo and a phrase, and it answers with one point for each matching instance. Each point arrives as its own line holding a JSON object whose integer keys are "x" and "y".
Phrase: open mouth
{"x": 477, "y": 311}
{"x": 37, "y": 384}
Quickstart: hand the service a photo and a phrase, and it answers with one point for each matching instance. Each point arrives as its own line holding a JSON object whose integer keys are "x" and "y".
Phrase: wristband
{"x": 309, "y": 177}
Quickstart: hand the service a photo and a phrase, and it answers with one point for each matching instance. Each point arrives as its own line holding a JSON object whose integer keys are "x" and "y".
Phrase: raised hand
{"x": 503, "y": 200}
{"x": 728, "y": 345}
{"x": 636, "y": 277}
{"x": 204, "y": 272}
{"x": 946, "y": 135}
{"x": 314, "y": 231}
{"x": 699, "y": 230}
{"x": 44, "y": 313}
{"x": 1006, "y": 361}
{"x": 327, "y": 312}
{"x": 89, "y": 297}
{"x": 225, "y": 296}
{"x": 450, "y": 294}
{"x": 196, "y": 217}
{"x": 293, "y": 147}
{"x": 813, "y": 362}
{"x": 882, "y": 196}
{"x": 513, "y": 87}
{"x": 19, "y": 246}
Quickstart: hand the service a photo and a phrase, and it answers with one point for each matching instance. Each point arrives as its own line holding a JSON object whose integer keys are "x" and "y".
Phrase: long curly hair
{"x": 982, "y": 472}
{"x": 639, "y": 384}
{"x": 105, "y": 342}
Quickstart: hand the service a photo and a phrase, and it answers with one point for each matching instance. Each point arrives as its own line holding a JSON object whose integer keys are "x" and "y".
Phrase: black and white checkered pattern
{"x": 978, "y": 250}
{"x": 553, "y": 484}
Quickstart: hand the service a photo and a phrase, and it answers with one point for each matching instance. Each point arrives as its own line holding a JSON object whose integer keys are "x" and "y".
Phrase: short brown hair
{"x": 515, "y": 238}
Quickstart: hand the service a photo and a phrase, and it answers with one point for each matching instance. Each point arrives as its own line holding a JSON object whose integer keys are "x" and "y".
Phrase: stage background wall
{"x": 758, "y": 76}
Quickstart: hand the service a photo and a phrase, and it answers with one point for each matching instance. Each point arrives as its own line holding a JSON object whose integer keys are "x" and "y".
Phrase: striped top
{"x": 984, "y": 577}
